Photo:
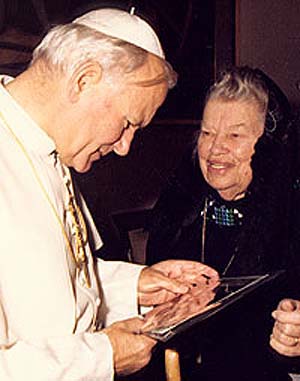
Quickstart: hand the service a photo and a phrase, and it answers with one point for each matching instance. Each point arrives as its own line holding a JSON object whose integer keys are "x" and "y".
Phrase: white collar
{"x": 31, "y": 135}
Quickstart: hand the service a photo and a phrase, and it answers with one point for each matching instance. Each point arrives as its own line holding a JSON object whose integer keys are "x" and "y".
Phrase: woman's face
{"x": 226, "y": 143}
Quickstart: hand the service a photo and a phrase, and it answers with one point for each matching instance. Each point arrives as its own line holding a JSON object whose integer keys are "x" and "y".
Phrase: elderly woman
{"x": 232, "y": 212}
{"x": 227, "y": 205}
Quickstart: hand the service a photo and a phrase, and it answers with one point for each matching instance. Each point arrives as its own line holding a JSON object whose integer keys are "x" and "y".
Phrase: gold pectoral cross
{"x": 79, "y": 234}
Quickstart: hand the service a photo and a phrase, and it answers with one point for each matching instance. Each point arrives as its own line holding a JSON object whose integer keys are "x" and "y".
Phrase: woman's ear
{"x": 84, "y": 78}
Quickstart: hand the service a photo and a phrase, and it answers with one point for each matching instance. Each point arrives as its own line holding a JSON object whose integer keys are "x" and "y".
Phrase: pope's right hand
{"x": 132, "y": 350}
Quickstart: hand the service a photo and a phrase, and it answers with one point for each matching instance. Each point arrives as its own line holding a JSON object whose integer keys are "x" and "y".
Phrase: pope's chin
{"x": 82, "y": 167}
{"x": 85, "y": 166}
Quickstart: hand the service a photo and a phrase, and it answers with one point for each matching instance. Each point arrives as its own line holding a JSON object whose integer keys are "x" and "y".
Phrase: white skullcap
{"x": 125, "y": 26}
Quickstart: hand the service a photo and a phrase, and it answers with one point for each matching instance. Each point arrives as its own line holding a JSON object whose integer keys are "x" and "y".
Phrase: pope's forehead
{"x": 153, "y": 67}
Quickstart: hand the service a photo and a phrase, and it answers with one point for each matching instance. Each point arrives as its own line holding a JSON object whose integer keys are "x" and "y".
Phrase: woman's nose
{"x": 218, "y": 144}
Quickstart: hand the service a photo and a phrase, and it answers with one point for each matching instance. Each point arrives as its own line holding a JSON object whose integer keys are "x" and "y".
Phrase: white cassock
{"x": 49, "y": 319}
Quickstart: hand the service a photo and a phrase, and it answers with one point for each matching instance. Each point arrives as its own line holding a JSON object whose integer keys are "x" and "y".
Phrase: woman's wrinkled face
{"x": 226, "y": 143}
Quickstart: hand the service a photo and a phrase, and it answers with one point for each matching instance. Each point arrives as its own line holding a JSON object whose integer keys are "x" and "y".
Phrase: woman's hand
{"x": 285, "y": 338}
{"x": 179, "y": 309}
{"x": 166, "y": 280}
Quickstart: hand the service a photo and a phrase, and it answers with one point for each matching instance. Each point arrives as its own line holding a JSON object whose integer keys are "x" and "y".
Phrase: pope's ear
{"x": 84, "y": 78}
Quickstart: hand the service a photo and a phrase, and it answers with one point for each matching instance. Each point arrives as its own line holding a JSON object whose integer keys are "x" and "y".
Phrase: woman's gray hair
{"x": 241, "y": 84}
{"x": 67, "y": 46}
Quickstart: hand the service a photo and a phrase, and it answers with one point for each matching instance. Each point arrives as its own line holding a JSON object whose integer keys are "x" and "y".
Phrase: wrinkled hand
{"x": 285, "y": 338}
{"x": 132, "y": 350}
{"x": 166, "y": 280}
{"x": 179, "y": 309}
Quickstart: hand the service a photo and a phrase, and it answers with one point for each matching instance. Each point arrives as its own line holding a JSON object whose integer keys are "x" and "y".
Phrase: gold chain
{"x": 79, "y": 257}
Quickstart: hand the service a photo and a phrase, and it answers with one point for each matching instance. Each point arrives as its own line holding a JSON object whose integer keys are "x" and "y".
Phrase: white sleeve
{"x": 37, "y": 317}
{"x": 119, "y": 282}
{"x": 86, "y": 356}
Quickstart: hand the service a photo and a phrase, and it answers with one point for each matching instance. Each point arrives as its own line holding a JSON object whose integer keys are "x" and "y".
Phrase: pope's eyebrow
{"x": 127, "y": 125}
{"x": 138, "y": 126}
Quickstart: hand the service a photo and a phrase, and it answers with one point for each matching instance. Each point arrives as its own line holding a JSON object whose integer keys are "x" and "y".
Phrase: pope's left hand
{"x": 165, "y": 280}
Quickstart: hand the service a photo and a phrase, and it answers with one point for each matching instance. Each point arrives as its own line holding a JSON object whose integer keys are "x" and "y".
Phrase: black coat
{"x": 259, "y": 239}
{"x": 234, "y": 345}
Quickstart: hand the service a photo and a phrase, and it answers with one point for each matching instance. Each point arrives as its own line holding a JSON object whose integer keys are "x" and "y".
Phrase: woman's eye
{"x": 235, "y": 135}
{"x": 205, "y": 133}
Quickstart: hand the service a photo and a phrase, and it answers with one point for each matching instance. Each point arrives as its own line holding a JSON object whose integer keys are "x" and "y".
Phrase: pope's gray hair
{"x": 66, "y": 46}
{"x": 241, "y": 84}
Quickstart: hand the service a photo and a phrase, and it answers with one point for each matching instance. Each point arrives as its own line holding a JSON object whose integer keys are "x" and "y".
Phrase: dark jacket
{"x": 234, "y": 344}
{"x": 258, "y": 240}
